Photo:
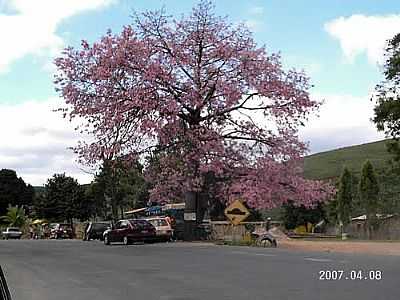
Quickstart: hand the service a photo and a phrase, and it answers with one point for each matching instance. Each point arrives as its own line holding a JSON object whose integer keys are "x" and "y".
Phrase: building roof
{"x": 379, "y": 216}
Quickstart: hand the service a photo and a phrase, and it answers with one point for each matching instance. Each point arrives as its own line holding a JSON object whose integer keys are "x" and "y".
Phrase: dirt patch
{"x": 277, "y": 233}
{"x": 366, "y": 247}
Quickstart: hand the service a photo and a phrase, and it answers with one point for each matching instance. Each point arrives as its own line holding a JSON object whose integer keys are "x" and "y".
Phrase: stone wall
{"x": 224, "y": 230}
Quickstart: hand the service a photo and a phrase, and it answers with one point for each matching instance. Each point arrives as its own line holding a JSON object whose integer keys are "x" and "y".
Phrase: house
{"x": 387, "y": 228}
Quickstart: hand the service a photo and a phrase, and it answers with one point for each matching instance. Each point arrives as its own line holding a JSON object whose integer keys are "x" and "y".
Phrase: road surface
{"x": 71, "y": 269}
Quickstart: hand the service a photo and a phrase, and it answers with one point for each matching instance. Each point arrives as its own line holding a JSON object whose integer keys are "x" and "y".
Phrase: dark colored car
{"x": 95, "y": 230}
{"x": 129, "y": 231}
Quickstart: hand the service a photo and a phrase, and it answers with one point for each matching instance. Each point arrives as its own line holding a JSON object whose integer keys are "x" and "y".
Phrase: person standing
{"x": 168, "y": 219}
{"x": 268, "y": 225}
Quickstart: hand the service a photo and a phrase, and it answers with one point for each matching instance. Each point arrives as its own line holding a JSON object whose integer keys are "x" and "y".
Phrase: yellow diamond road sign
{"x": 236, "y": 212}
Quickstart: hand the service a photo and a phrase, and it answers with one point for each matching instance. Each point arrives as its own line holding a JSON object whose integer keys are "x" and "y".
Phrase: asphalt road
{"x": 58, "y": 270}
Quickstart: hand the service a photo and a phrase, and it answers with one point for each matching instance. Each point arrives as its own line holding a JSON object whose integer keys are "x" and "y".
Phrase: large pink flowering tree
{"x": 200, "y": 91}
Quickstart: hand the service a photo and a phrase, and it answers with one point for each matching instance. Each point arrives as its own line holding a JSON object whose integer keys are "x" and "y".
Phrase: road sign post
{"x": 236, "y": 212}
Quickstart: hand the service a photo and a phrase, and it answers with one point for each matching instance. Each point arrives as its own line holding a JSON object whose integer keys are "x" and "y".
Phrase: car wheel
{"x": 126, "y": 240}
{"x": 106, "y": 240}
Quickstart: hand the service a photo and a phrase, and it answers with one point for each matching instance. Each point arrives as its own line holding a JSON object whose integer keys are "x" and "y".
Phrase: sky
{"x": 338, "y": 43}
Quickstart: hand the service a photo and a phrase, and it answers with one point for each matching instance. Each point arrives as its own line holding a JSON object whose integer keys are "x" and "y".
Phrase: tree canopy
{"x": 369, "y": 192}
{"x": 387, "y": 109}
{"x": 345, "y": 197}
{"x": 119, "y": 184}
{"x": 13, "y": 190}
{"x": 200, "y": 89}
{"x": 63, "y": 199}
{"x": 294, "y": 216}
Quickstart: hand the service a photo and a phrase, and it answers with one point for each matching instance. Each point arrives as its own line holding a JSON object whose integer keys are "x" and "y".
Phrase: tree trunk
{"x": 71, "y": 222}
{"x": 202, "y": 205}
{"x": 122, "y": 212}
{"x": 190, "y": 216}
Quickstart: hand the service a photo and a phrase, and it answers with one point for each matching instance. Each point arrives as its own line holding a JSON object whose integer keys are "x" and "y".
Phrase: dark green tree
{"x": 14, "y": 191}
{"x": 63, "y": 199}
{"x": 94, "y": 195}
{"x": 345, "y": 197}
{"x": 387, "y": 96}
{"x": 389, "y": 186}
{"x": 294, "y": 216}
{"x": 387, "y": 109}
{"x": 122, "y": 185}
{"x": 369, "y": 194}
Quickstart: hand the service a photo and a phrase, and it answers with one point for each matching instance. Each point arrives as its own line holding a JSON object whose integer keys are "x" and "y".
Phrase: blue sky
{"x": 338, "y": 43}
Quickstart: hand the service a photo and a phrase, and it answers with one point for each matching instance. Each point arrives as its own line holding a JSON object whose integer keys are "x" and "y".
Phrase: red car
{"x": 129, "y": 231}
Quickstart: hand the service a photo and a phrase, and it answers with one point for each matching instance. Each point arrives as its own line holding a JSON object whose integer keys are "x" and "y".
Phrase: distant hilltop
{"x": 329, "y": 164}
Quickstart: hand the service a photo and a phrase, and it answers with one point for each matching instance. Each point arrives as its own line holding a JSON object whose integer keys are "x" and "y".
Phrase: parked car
{"x": 60, "y": 231}
{"x": 95, "y": 230}
{"x": 12, "y": 233}
{"x": 129, "y": 231}
{"x": 163, "y": 228}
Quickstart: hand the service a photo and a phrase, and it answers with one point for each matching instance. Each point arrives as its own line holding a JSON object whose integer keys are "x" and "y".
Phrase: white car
{"x": 12, "y": 233}
{"x": 163, "y": 229}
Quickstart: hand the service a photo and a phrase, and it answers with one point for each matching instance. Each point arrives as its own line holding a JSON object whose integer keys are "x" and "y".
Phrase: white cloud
{"x": 30, "y": 26}
{"x": 256, "y": 10}
{"x": 359, "y": 34}
{"x": 343, "y": 120}
{"x": 255, "y": 23}
{"x": 34, "y": 141}
{"x": 311, "y": 67}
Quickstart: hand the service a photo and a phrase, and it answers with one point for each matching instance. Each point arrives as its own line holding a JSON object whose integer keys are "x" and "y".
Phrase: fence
{"x": 224, "y": 230}
{"x": 386, "y": 229}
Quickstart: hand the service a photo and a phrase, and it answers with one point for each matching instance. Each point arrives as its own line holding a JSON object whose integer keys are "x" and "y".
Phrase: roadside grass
{"x": 237, "y": 243}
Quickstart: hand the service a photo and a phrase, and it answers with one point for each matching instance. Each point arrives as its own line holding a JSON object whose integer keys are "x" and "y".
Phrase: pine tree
{"x": 345, "y": 197}
{"x": 369, "y": 194}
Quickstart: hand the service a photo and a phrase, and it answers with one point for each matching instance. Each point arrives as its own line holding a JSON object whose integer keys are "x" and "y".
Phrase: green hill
{"x": 39, "y": 189}
{"x": 329, "y": 164}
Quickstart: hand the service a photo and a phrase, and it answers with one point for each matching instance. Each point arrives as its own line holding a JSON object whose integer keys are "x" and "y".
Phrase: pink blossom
{"x": 192, "y": 87}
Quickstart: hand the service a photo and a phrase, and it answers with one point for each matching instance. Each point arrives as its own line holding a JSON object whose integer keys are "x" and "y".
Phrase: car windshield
{"x": 99, "y": 226}
{"x": 13, "y": 229}
{"x": 140, "y": 223}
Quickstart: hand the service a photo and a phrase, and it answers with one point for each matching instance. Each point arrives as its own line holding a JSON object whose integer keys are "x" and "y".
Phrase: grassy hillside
{"x": 329, "y": 164}
{"x": 39, "y": 189}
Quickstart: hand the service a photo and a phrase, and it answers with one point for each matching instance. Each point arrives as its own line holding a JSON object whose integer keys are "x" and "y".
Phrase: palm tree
{"x": 15, "y": 216}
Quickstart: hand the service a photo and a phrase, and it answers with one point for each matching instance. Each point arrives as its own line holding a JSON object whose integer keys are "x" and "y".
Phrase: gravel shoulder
{"x": 364, "y": 247}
